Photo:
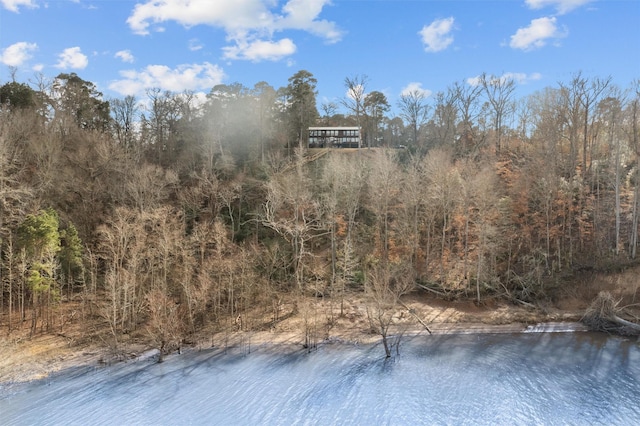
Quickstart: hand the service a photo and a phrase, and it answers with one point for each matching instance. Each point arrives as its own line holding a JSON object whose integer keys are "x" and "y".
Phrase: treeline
{"x": 177, "y": 212}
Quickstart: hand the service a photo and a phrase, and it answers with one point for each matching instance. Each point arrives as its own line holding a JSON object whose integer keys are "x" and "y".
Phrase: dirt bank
{"x": 24, "y": 358}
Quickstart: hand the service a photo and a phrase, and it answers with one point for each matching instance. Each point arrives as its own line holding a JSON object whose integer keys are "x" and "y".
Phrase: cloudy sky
{"x": 126, "y": 47}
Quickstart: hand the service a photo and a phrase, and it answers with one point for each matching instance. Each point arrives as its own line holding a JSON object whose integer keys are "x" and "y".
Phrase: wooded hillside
{"x": 175, "y": 212}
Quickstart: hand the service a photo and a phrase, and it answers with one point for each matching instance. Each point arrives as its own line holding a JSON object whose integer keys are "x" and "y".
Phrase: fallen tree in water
{"x": 604, "y": 315}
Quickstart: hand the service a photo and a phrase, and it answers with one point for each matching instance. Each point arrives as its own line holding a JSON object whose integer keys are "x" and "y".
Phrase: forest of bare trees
{"x": 175, "y": 213}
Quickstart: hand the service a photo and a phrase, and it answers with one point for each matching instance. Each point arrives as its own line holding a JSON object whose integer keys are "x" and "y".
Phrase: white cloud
{"x": 518, "y": 77}
{"x": 536, "y": 34}
{"x": 13, "y": 5}
{"x": 561, "y": 6}
{"x": 259, "y": 50}
{"x": 303, "y": 14}
{"x": 437, "y": 35}
{"x": 184, "y": 77}
{"x": 355, "y": 92}
{"x": 17, "y": 54}
{"x": 249, "y": 24}
{"x": 415, "y": 88}
{"x": 231, "y": 16}
{"x": 473, "y": 81}
{"x": 125, "y": 56}
{"x": 195, "y": 45}
{"x": 73, "y": 58}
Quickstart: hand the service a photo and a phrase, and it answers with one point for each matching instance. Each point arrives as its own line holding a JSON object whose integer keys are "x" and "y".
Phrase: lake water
{"x": 520, "y": 379}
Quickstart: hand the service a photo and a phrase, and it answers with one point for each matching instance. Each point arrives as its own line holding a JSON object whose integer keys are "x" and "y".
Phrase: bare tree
{"x": 123, "y": 250}
{"x": 125, "y": 114}
{"x": 329, "y": 109}
{"x": 499, "y": 93}
{"x": 548, "y": 115}
{"x": 343, "y": 183}
{"x": 466, "y": 97}
{"x": 413, "y": 202}
{"x": 8, "y": 281}
{"x": 633, "y": 136}
{"x": 148, "y": 185}
{"x": 443, "y": 121}
{"x": 480, "y": 203}
{"x": 45, "y": 152}
{"x": 590, "y": 95}
{"x": 383, "y": 189}
{"x": 443, "y": 185}
{"x": 356, "y": 93}
{"x": 291, "y": 211}
{"x": 611, "y": 111}
{"x": 16, "y": 128}
{"x": 385, "y": 283}
{"x": 165, "y": 324}
{"x": 414, "y": 110}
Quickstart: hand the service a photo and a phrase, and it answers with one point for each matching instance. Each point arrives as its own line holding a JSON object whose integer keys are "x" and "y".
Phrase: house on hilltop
{"x": 335, "y": 137}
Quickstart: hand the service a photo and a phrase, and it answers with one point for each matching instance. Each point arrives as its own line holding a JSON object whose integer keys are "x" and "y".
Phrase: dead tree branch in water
{"x": 603, "y": 315}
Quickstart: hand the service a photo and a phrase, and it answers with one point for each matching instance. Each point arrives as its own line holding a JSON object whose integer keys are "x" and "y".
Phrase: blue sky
{"x": 126, "y": 47}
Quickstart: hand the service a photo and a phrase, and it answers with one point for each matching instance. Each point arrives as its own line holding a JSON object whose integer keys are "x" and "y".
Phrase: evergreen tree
{"x": 16, "y": 95}
{"x": 301, "y": 107}
{"x": 81, "y": 100}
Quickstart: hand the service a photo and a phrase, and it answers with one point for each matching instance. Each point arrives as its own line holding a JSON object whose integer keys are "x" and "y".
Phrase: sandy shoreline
{"x": 24, "y": 358}
{"x": 39, "y": 357}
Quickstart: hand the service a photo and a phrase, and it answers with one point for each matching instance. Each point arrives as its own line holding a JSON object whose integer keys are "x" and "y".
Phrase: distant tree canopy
{"x": 80, "y": 100}
{"x": 17, "y": 95}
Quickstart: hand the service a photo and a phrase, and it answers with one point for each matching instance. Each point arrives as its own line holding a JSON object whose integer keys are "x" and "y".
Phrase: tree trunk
{"x": 633, "y": 238}
{"x": 385, "y": 342}
{"x": 625, "y": 323}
